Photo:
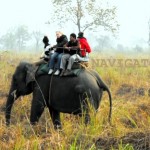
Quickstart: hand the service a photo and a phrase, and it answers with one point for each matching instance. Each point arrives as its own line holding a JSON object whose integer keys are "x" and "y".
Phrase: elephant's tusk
{"x": 14, "y": 94}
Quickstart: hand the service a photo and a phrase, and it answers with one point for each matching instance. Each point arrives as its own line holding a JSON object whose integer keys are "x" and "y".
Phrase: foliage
{"x": 22, "y": 36}
{"x": 8, "y": 40}
{"x": 37, "y": 36}
{"x": 17, "y": 38}
{"x": 85, "y": 14}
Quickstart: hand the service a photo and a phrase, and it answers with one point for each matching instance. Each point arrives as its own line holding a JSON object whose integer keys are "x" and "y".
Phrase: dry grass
{"x": 130, "y": 122}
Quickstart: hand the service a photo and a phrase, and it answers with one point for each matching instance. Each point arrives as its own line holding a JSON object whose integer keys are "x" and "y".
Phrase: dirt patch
{"x": 145, "y": 108}
{"x": 139, "y": 141}
{"x": 126, "y": 89}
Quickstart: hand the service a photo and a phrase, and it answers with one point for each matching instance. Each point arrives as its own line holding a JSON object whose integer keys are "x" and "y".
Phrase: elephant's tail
{"x": 105, "y": 88}
{"x": 110, "y": 101}
{"x": 102, "y": 85}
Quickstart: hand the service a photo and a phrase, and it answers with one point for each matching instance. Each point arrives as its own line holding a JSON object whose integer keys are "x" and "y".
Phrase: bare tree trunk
{"x": 79, "y": 27}
{"x": 79, "y": 15}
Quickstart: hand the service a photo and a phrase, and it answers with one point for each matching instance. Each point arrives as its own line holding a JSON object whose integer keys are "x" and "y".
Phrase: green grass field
{"x": 130, "y": 129}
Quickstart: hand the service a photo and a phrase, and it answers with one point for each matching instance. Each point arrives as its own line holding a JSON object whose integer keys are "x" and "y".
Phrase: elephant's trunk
{"x": 22, "y": 84}
{"x": 10, "y": 100}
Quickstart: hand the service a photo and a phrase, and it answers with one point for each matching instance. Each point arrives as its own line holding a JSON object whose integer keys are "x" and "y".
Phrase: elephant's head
{"x": 22, "y": 84}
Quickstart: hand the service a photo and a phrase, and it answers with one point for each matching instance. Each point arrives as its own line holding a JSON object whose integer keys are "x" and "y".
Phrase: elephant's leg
{"x": 85, "y": 111}
{"x": 87, "y": 118}
{"x": 37, "y": 107}
{"x": 55, "y": 115}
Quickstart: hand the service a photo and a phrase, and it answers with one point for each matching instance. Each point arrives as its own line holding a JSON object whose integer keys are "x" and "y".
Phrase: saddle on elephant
{"x": 75, "y": 71}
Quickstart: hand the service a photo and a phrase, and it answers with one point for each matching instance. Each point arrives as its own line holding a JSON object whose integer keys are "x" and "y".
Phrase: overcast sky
{"x": 132, "y": 15}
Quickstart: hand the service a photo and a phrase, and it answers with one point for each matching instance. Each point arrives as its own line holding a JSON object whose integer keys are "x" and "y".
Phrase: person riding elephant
{"x": 61, "y": 41}
{"x": 48, "y": 51}
{"x": 84, "y": 47}
{"x": 53, "y": 92}
{"x": 71, "y": 48}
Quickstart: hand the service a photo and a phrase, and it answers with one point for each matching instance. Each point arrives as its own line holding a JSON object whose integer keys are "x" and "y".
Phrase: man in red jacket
{"x": 84, "y": 46}
{"x": 84, "y": 53}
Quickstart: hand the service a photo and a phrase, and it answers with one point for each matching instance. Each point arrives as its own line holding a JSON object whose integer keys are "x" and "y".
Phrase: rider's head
{"x": 45, "y": 40}
{"x": 80, "y": 35}
{"x": 72, "y": 36}
{"x": 59, "y": 34}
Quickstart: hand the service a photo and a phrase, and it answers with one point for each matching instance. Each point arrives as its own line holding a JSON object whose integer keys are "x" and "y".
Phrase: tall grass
{"x": 130, "y": 117}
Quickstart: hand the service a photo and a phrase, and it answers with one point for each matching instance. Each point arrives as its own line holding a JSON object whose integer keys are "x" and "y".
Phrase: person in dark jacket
{"x": 71, "y": 48}
{"x": 61, "y": 41}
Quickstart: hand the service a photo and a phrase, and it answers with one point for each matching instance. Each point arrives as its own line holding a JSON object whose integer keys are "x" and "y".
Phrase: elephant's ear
{"x": 30, "y": 70}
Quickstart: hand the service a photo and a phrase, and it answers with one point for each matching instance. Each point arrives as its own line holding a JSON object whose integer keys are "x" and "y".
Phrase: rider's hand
{"x": 68, "y": 48}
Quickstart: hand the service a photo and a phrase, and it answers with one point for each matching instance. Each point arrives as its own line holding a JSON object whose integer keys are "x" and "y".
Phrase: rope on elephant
{"x": 50, "y": 85}
{"x": 40, "y": 91}
{"x": 32, "y": 75}
{"x": 86, "y": 65}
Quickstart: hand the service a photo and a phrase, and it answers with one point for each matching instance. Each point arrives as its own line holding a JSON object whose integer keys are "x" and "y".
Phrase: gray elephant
{"x": 59, "y": 94}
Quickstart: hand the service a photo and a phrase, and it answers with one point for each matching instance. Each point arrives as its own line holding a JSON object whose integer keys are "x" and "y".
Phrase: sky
{"x": 132, "y": 15}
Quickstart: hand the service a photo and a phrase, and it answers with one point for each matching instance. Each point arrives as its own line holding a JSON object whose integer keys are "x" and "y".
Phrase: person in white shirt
{"x": 48, "y": 51}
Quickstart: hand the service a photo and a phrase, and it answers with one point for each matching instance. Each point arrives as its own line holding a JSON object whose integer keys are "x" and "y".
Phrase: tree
{"x": 103, "y": 42}
{"x": 22, "y": 36}
{"x": 8, "y": 41}
{"x": 138, "y": 48}
{"x": 120, "y": 47}
{"x": 85, "y": 14}
{"x": 37, "y": 36}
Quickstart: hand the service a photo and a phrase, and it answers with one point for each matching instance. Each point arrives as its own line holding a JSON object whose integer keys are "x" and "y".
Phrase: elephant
{"x": 68, "y": 94}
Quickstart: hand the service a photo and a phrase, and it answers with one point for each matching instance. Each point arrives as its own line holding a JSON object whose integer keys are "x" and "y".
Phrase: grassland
{"x": 130, "y": 127}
